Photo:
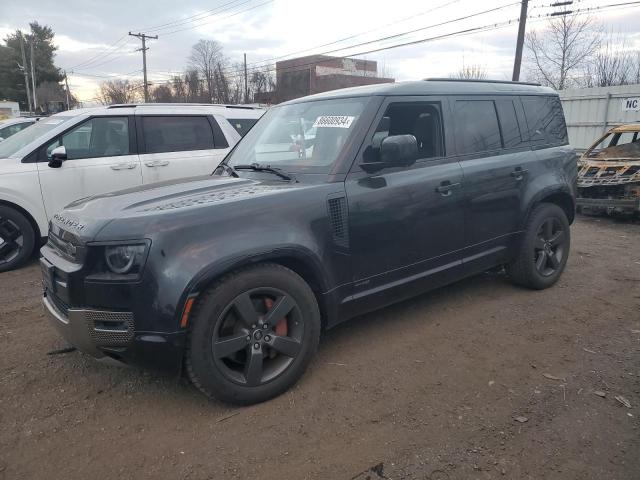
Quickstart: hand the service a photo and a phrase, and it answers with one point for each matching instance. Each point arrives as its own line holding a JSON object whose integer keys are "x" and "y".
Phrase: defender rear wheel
{"x": 17, "y": 238}
{"x": 544, "y": 249}
{"x": 252, "y": 334}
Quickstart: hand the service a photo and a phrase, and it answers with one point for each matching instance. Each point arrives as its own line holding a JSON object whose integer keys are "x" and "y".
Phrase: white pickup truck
{"x": 86, "y": 152}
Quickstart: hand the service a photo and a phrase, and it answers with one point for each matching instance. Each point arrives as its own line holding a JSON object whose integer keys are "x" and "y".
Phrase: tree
{"x": 192, "y": 84}
{"x": 162, "y": 93}
{"x": 52, "y": 92}
{"x": 11, "y": 77}
{"x": 119, "y": 91}
{"x": 179, "y": 88}
{"x": 468, "y": 72}
{"x": 561, "y": 49}
{"x": 261, "y": 81}
{"x": 612, "y": 64}
{"x": 206, "y": 55}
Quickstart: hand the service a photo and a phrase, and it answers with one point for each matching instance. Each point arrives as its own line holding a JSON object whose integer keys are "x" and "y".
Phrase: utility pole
{"x": 66, "y": 82}
{"x": 33, "y": 76}
{"x": 23, "y": 67}
{"x": 246, "y": 85}
{"x": 144, "y": 49}
{"x": 520, "y": 43}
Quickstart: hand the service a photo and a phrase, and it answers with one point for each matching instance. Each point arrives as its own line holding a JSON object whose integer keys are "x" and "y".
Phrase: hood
{"x": 86, "y": 217}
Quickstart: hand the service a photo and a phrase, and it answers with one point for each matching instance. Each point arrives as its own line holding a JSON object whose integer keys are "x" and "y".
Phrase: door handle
{"x": 446, "y": 187}
{"x": 157, "y": 163}
{"x": 518, "y": 173}
{"x": 123, "y": 166}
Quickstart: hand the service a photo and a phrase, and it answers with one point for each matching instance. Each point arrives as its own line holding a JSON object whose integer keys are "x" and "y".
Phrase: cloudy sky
{"x": 94, "y": 45}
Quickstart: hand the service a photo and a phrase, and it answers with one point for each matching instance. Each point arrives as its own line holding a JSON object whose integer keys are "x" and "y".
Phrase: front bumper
{"x": 87, "y": 330}
{"x": 610, "y": 205}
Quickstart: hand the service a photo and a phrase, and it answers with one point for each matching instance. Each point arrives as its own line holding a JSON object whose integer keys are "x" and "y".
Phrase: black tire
{"x": 17, "y": 238}
{"x": 544, "y": 249}
{"x": 228, "y": 313}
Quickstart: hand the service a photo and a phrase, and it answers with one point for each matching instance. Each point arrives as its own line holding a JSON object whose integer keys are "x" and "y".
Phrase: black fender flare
{"x": 286, "y": 255}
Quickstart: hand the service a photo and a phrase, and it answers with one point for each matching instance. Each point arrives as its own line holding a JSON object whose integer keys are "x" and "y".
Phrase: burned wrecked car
{"x": 609, "y": 173}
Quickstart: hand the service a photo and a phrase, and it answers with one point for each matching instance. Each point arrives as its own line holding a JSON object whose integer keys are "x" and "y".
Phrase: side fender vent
{"x": 338, "y": 217}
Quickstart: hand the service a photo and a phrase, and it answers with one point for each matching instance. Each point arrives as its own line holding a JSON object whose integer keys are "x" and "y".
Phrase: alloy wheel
{"x": 11, "y": 240}
{"x": 549, "y": 247}
{"x": 258, "y": 336}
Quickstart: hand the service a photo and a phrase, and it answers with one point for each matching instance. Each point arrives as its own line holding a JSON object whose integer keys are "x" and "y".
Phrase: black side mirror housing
{"x": 394, "y": 151}
{"x": 58, "y": 155}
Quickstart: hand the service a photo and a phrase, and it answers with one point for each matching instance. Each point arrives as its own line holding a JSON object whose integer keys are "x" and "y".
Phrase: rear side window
{"x": 509, "y": 126}
{"x": 242, "y": 125}
{"x": 176, "y": 133}
{"x": 477, "y": 126}
{"x": 545, "y": 120}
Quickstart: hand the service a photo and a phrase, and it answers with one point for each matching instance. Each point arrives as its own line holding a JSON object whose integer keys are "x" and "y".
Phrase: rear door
{"x": 101, "y": 157}
{"x": 495, "y": 162}
{"x": 177, "y": 146}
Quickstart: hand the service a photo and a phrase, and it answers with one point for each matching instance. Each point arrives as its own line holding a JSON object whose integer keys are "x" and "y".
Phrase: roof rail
{"x": 474, "y": 80}
{"x": 133, "y": 105}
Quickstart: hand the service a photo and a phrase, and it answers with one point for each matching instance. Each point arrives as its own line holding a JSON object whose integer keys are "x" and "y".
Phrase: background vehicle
{"x": 12, "y": 126}
{"x": 87, "y": 152}
{"x": 407, "y": 187}
{"x": 609, "y": 172}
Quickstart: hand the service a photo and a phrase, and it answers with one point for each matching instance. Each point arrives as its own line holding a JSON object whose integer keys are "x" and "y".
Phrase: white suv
{"x": 12, "y": 126}
{"x": 80, "y": 153}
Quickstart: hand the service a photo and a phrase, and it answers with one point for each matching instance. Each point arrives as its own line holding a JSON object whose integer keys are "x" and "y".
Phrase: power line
{"x": 221, "y": 18}
{"x": 380, "y": 39}
{"x": 468, "y": 31}
{"x": 192, "y": 18}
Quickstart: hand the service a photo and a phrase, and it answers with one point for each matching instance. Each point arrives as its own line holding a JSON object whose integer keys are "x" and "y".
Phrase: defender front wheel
{"x": 252, "y": 334}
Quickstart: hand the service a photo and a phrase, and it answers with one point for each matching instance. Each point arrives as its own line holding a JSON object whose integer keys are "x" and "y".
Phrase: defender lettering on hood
{"x": 67, "y": 222}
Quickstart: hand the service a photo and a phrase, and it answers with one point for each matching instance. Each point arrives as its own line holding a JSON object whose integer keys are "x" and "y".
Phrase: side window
{"x": 477, "y": 126}
{"x": 242, "y": 125}
{"x": 176, "y": 134}
{"x": 95, "y": 138}
{"x": 509, "y": 126}
{"x": 545, "y": 120}
{"x": 422, "y": 120}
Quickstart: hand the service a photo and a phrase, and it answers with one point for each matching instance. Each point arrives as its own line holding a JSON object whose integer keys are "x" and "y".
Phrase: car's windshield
{"x": 301, "y": 137}
{"x": 24, "y": 137}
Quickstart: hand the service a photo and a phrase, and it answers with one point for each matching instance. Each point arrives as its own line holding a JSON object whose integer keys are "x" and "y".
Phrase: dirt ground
{"x": 478, "y": 380}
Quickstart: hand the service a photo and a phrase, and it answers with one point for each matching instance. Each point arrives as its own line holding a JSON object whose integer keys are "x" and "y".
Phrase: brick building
{"x": 320, "y": 73}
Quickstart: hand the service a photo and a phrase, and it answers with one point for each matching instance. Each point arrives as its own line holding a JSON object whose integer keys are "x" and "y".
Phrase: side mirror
{"x": 394, "y": 151}
{"x": 58, "y": 155}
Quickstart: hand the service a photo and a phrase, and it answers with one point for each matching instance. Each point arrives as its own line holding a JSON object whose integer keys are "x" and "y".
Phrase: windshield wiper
{"x": 256, "y": 167}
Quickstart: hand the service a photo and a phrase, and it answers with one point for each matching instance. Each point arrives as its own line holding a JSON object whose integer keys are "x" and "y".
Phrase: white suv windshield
{"x": 301, "y": 137}
{"x": 14, "y": 143}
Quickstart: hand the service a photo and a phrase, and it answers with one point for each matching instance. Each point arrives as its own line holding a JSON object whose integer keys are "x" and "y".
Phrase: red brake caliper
{"x": 281, "y": 327}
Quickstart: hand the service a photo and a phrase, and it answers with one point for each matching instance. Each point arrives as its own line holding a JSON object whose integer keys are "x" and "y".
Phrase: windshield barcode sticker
{"x": 333, "y": 121}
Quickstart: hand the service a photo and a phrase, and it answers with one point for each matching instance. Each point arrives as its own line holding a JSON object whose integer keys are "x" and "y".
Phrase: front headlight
{"x": 123, "y": 259}
{"x": 117, "y": 261}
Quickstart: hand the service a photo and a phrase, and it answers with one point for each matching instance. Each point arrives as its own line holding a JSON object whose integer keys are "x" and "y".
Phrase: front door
{"x": 406, "y": 224}
{"x": 177, "y": 146}
{"x": 100, "y": 159}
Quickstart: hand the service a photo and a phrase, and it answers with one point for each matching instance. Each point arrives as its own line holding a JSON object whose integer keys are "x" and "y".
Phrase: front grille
{"x": 110, "y": 329}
